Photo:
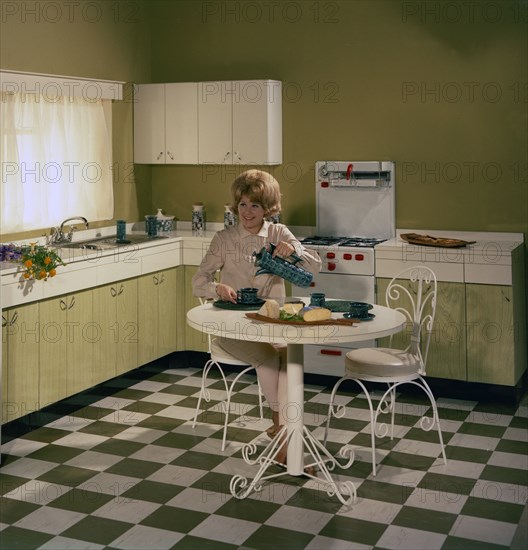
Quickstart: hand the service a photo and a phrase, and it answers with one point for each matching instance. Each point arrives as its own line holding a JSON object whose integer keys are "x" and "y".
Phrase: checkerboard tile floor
{"x": 120, "y": 466}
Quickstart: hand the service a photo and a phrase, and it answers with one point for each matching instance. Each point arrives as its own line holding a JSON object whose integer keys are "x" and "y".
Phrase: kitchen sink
{"x": 107, "y": 243}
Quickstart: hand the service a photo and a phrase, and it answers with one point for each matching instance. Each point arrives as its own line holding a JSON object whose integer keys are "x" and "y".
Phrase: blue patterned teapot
{"x": 285, "y": 269}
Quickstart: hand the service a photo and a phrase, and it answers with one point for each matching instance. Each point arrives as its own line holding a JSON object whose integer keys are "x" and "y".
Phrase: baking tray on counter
{"x": 428, "y": 240}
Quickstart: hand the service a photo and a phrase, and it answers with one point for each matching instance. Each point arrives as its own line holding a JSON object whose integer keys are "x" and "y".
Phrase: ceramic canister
{"x": 198, "y": 218}
{"x": 229, "y": 217}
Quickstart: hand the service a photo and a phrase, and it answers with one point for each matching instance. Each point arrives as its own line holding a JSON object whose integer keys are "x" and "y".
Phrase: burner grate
{"x": 361, "y": 242}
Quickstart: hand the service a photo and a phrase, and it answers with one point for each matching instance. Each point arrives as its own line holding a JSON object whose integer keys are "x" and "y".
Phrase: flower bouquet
{"x": 38, "y": 262}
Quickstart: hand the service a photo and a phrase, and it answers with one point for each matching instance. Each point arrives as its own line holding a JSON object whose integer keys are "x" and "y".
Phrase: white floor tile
{"x": 157, "y": 453}
{"x": 225, "y": 529}
{"x": 38, "y": 492}
{"x": 439, "y": 501}
{"x": 142, "y": 536}
{"x": 49, "y": 520}
{"x": 299, "y": 519}
{"x": 64, "y": 543}
{"x": 201, "y": 500}
{"x": 29, "y": 468}
{"x": 80, "y": 440}
{"x": 109, "y": 484}
{"x": 405, "y": 538}
{"x": 126, "y": 509}
{"x": 485, "y": 530}
{"x": 177, "y": 475}
{"x": 372, "y": 510}
{"x": 93, "y": 460}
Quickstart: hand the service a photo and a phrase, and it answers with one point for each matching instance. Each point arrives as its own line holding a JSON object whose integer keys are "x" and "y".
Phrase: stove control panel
{"x": 347, "y": 261}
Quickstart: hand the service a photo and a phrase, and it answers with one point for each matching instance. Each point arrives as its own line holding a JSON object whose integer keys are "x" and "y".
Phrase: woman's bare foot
{"x": 274, "y": 430}
{"x": 282, "y": 459}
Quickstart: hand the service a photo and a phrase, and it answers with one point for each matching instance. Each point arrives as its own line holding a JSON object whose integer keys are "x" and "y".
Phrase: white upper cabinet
{"x": 240, "y": 122}
{"x": 166, "y": 123}
{"x": 225, "y": 122}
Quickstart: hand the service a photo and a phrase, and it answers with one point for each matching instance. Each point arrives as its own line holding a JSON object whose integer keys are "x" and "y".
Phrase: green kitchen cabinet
{"x": 490, "y": 334}
{"x": 115, "y": 312}
{"x": 157, "y": 315}
{"x": 194, "y": 340}
{"x": 447, "y": 350}
{"x": 68, "y": 338}
{"x": 20, "y": 361}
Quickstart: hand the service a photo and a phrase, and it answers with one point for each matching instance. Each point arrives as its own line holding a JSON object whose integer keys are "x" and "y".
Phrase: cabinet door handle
{"x": 4, "y": 321}
{"x": 162, "y": 278}
{"x": 160, "y": 155}
{"x": 227, "y": 155}
{"x": 238, "y": 157}
{"x": 62, "y": 305}
{"x": 72, "y": 303}
{"x": 121, "y": 288}
{"x": 14, "y": 319}
{"x": 156, "y": 280}
{"x": 170, "y": 155}
{"x": 113, "y": 292}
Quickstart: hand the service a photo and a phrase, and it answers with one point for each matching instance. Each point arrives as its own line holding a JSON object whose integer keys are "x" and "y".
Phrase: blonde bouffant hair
{"x": 261, "y": 188}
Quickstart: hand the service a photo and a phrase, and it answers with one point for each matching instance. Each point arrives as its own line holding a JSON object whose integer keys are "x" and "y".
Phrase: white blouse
{"x": 232, "y": 252}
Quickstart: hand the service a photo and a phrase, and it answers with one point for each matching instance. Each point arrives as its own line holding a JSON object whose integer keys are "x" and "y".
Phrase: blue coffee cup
{"x": 247, "y": 295}
{"x": 359, "y": 309}
{"x": 317, "y": 299}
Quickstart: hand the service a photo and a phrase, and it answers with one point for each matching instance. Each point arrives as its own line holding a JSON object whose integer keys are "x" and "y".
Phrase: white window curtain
{"x": 56, "y": 160}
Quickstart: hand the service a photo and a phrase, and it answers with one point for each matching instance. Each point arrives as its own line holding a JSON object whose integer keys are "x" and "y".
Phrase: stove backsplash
{"x": 355, "y": 199}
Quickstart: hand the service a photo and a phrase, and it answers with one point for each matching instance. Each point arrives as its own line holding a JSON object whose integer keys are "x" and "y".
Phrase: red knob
{"x": 331, "y": 266}
{"x": 360, "y": 257}
{"x": 330, "y": 255}
{"x": 347, "y": 256}
{"x": 324, "y": 184}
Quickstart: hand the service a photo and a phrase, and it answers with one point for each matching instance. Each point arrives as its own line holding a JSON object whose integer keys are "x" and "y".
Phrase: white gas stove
{"x": 355, "y": 201}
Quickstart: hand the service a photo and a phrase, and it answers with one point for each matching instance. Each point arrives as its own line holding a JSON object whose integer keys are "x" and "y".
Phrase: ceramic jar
{"x": 229, "y": 216}
{"x": 165, "y": 223}
{"x": 198, "y": 219}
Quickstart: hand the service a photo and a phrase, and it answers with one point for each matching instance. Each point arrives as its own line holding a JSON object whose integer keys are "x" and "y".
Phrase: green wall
{"x": 437, "y": 87}
{"x": 97, "y": 39}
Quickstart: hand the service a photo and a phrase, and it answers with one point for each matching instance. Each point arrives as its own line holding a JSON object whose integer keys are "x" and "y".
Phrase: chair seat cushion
{"x": 381, "y": 362}
{"x": 221, "y": 356}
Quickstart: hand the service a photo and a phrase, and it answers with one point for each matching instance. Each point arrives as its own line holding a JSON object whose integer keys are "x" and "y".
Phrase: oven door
{"x": 336, "y": 286}
{"x": 330, "y": 360}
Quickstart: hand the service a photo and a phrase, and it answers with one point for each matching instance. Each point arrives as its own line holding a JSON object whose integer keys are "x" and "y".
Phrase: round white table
{"x": 234, "y": 324}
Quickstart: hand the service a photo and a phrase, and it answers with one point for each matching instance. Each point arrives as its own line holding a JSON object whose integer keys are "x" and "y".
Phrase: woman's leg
{"x": 266, "y": 359}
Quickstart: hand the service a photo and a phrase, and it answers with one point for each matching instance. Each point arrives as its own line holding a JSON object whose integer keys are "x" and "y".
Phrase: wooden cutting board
{"x": 343, "y": 321}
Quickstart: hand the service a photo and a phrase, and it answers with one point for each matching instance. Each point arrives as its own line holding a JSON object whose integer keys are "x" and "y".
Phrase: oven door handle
{"x": 331, "y": 352}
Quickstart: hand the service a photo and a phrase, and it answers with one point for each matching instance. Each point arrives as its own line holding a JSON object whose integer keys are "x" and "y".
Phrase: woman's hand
{"x": 226, "y": 293}
{"x": 283, "y": 249}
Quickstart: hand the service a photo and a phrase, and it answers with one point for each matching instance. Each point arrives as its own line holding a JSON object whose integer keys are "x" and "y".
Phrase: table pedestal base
{"x": 323, "y": 462}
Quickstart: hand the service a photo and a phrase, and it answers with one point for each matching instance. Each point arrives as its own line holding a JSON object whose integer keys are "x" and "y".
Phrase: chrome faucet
{"x": 57, "y": 234}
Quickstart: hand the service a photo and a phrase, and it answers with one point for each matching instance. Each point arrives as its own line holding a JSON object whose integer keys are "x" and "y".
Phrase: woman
{"x": 256, "y": 197}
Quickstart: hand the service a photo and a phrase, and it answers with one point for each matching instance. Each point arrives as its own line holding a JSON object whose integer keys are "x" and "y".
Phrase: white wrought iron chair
{"x": 217, "y": 357}
{"x": 413, "y": 292}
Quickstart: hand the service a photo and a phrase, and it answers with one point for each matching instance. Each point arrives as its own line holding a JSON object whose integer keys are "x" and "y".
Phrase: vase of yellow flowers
{"x": 39, "y": 262}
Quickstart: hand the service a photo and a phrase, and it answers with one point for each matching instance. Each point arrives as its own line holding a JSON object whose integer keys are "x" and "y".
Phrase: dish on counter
{"x": 428, "y": 240}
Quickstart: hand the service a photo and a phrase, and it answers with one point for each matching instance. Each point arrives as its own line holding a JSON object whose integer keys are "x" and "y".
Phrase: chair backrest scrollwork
{"x": 414, "y": 293}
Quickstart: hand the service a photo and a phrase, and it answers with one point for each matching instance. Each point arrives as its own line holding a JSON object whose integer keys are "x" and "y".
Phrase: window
{"x": 56, "y": 158}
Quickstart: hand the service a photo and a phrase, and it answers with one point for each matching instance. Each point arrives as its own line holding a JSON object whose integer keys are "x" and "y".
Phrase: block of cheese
{"x": 270, "y": 308}
{"x": 293, "y": 308}
{"x": 314, "y": 313}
